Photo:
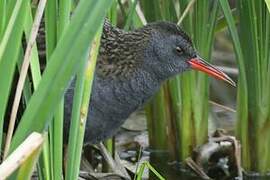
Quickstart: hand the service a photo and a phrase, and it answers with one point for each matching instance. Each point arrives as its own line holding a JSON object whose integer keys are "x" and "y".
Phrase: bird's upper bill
{"x": 201, "y": 65}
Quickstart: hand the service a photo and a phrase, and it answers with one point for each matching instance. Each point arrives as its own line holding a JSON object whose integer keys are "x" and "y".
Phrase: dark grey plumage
{"x": 131, "y": 67}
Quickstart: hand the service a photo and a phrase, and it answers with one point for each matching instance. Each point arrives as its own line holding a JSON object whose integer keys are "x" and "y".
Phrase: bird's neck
{"x": 121, "y": 53}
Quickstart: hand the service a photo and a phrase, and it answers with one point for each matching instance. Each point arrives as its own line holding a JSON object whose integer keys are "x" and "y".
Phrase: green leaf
{"x": 9, "y": 54}
{"x": 268, "y": 4}
{"x": 3, "y": 17}
{"x": 130, "y": 14}
{"x": 251, "y": 44}
{"x": 139, "y": 174}
{"x": 79, "y": 114}
{"x": 62, "y": 66}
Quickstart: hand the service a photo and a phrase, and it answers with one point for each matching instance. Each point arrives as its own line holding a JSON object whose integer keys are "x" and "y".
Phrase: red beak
{"x": 201, "y": 65}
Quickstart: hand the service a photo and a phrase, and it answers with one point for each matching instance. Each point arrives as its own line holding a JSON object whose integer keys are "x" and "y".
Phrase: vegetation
{"x": 178, "y": 114}
{"x": 182, "y": 103}
{"x": 252, "y": 48}
{"x": 67, "y": 52}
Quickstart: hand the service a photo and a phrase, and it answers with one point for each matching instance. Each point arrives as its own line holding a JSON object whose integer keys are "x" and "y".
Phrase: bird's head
{"x": 171, "y": 52}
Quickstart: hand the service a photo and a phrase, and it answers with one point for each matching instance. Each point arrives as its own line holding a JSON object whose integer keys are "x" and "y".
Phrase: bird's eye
{"x": 179, "y": 50}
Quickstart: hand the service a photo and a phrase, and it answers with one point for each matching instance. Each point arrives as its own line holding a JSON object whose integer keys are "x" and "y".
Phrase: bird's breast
{"x": 123, "y": 96}
{"x": 112, "y": 101}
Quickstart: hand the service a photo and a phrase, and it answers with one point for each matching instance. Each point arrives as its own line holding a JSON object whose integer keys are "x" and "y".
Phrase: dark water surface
{"x": 168, "y": 169}
{"x": 176, "y": 170}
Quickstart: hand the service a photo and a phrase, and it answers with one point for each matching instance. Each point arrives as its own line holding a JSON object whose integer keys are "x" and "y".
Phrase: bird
{"x": 131, "y": 67}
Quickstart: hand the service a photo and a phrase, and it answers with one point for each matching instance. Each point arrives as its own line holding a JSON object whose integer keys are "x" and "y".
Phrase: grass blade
{"x": 10, "y": 48}
{"x": 18, "y": 9}
{"x": 62, "y": 66}
{"x": 56, "y": 128}
{"x": 23, "y": 74}
{"x": 3, "y": 5}
{"x": 253, "y": 57}
{"x": 142, "y": 167}
{"x": 130, "y": 14}
{"x": 80, "y": 121}
{"x": 268, "y": 4}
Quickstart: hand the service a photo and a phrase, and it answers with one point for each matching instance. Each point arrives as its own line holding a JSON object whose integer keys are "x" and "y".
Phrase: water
{"x": 176, "y": 170}
{"x": 168, "y": 169}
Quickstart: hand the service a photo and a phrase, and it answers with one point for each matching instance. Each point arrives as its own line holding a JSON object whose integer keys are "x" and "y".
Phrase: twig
{"x": 189, "y": 6}
{"x": 222, "y": 106}
{"x": 238, "y": 159}
{"x": 119, "y": 165}
{"x": 216, "y": 144}
{"x": 20, "y": 155}
{"x": 86, "y": 166}
{"x": 23, "y": 74}
{"x": 111, "y": 162}
{"x": 237, "y": 151}
{"x": 95, "y": 176}
{"x": 197, "y": 169}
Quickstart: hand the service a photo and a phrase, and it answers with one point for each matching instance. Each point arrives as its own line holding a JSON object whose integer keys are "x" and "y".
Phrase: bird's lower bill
{"x": 201, "y": 65}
